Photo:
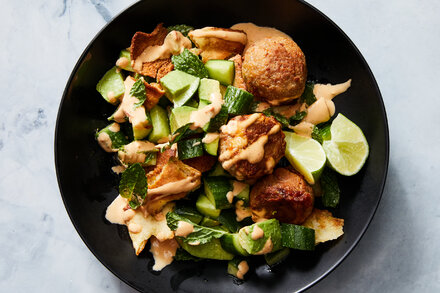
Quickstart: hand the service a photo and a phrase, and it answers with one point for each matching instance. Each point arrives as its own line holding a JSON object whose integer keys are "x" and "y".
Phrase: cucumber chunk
{"x": 218, "y": 171}
{"x": 179, "y": 86}
{"x": 161, "y": 128}
{"x": 216, "y": 189}
{"x": 244, "y": 195}
{"x": 206, "y": 207}
{"x": 275, "y": 258}
{"x": 229, "y": 220}
{"x": 233, "y": 267}
{"x": 208, "y": 222}
{"x": 207, "y": 87}
{"x": 269, "y": 242}
{"x": 216, "y": 122}
{"x": 141, "y": 130}
{"x": 180, "y": 116}
{"x": 190, "y": 148}
{"x": 212, "y": 147}
{"x": 297, "y": 237}
{"x": 211, "y": 250}
{"x": 116, "y": 138}
{"x": 231, "y": 243}
{"x": 111, "y": 86}
{"x": 238, "y": 101}
{"x": 126, "y": 54}
{"x": 189, "y": 212}
{"x": 221, "y": 70}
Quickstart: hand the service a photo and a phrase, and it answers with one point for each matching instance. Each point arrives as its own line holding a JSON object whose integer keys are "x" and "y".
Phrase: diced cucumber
{"x": 179, "y": 86}
{"x": 244, "y": 195}
{"x": 216, "y": 122}
{"x": 297, "y": 237}
{"x": 210, "y": 250}
{"x": 218, "y": 171}
{"x": 212, "y": 147}
{"x": 208, "y": 87}
{"x": 126, "y": 54}
{"x": 189, "y": 212}
{"x": 238, "y": 101}
{"x": 271, "y": 232}
{"x": 277, "y": 256}
{"x": 190, "y": 148}
{"x": 216, "y": 189}
{"x": 117, "y": 138}
{"x": 111, "y": 86}
{"x": 206, "y": 207}
{"x": 192, "y": 103}
{"x": 161, "y": 126}
{"x": 229, "y": 220}
{"x": 231, "y": 243}
{"x": 180, "y": 116}
{"x": 141, "y": 130}
{"x": 233, "y": 268}
{"x": 208, "y": 222}
{"x": 221, "y": 70}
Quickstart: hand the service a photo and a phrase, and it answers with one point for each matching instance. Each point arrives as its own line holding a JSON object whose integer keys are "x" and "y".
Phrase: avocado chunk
{"x": 255, "y": 243}
{"x": 206, "y": 88}
{"x": 221, "y": 70}
{"x": 179, "y": 86}
{"x": 111, "y": 86}
{"x": 180, "y": 116}
{"x": 212, "y": 250}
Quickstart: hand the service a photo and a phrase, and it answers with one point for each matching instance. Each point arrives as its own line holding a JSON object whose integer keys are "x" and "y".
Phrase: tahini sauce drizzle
{"x": 163, "y": 252}
{"x": 184, "y": 185}
{"x": 210, "y": 137}
{"x": 122, "y": 62}
{"x": 257, "y": 233}
{"x": 255, "y": 33}
{"x": 268, "y": 246}
{"x": 135, "y": 152}
{"x": 173, "y": 44}
{"x": 115, "y": 211}
{"x": 105, "y": 142}
{"x": 211, "y": 32}
{"x": 184, "y": 229}
{"x": 202, "y": 116}
{"x": 243, "y": 268}
{"x": 237, "y": 188}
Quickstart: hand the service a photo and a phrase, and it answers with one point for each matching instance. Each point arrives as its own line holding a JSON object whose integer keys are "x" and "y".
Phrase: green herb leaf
{"x": 183, "y": 255}
{"x": 330, "y": 188}
{"x": 133, "y": 185}
{"x": 200, "y": 233}
{"x": 149, "y": 158}
{"x": 321, "y": 132}
{"x": 190, "y": 63}
{"x": 183, "y": 132}
{"x": 280, "y": 118}
{"x": 295, "y": 119}
{"x": 308, "y": 97}
{"x": 138, "y": 91}
{"x": 183, "y": 28}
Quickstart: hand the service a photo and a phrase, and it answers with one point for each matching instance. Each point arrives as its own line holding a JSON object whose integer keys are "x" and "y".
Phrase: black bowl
{"x": 88, "y": 185}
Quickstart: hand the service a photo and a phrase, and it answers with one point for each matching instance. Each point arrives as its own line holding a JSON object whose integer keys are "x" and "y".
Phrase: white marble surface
{"x": 40, "y": 42}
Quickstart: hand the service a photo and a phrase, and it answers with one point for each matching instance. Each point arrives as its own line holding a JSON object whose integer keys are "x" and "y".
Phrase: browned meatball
{"x": 251, "y": 146}
{"x": 274, "y": 69}
{"x": 283, "y": 195}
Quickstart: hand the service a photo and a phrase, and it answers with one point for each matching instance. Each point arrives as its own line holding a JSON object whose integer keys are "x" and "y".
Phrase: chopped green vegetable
{"x": 308, "y": 96}
{"x": 261, "y": 243}
{"x": 206, "y": 207}
{"x": 183, "y": 132}
{"x": 126, "y": 54}
{"x": 180, "y": 116}
{"x": 183, "y": 28}
{"x": 295, "y": 119}
{"x": 233, "y": 267}
{"x": 228, "y": 218}
{"x": 111, "y": 86}
{"x": 216, "y": 189}
{"x": 190, "y": 148}
{"x": 230, "y": 242}
{"x": 200, "y": 234}
{"x": 117, "y": 138}
{"x": 133, "y": 185}
{"x": 238, "y": 101}
{"x": 297, "y": 237}
{"x": 179, "y": 86}
{"x": 208, "y": 222}
{"x": 321, "y": 132}
{"x": 161, "y": 128}
{"x": 189, "y": 63}
{"x": 211, "y": 250}
{"x": 183, "y": 255}
{"x": 138, "y": 91}
{"x": 330, "y": 188}
{"x": 277, "y": 256}
{"x": 221, "y": 70}
{"x": 280, "y": 118}
{"x": 189, "y": 212}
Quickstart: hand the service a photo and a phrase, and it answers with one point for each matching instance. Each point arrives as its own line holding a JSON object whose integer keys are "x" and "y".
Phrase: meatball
{"x": 251, "y": 146}
{"x": 283, "y": 195}
{"x": 274, "y": 69}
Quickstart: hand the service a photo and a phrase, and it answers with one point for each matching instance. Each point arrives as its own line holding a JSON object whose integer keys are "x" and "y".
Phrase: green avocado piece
{"x": 271, "y": 230}
{"x": 111, "y": 86}
{"x": 180, "y": 116}
{"x": 179, "y": 86}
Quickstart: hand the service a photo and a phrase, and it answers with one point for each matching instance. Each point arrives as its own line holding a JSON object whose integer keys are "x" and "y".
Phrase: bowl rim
{"x": 357, "y": 52}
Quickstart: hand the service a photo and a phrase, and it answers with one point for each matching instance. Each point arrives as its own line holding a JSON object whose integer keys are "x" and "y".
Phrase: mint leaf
{"x": 280, "y": 118}
{"x": 321, "y": 132}
{"x": 133, "y": 185}
{"x": 138, "y": 91}
{"x": 330, "y": 188}
{"x": 200, "y": 233}
{"x": 295, "y": 119}
{"x": 190, "y": 63}
{"x": 183, "y": 28}
{"x": 183, "y": 132}
{"x": 308, "y": 97}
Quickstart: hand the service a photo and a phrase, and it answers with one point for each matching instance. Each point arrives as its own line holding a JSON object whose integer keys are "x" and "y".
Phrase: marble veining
{"x": 40, "y": 250}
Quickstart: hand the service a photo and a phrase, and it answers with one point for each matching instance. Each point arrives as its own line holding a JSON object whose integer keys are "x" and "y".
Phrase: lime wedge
{"x": 306, "y": 155}
{"x": 347, "y": 150}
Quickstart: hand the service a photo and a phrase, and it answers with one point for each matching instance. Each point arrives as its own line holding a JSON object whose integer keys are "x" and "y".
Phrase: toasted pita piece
{"x": 203, "y": 163}
{"x": 238, "y": 77}
{"x": 325, "y": 225}
{"x": 218, "y": 43}
{"x": 150, "y": 226}
{"x": 164, "y": 69}
{"x": 154, "y": 93}
{"x": 170, "y": 182}
{"x": 139, "y": 43}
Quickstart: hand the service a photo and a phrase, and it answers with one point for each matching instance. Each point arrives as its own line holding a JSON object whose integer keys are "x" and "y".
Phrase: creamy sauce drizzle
{"x": 257, "y": 233}
{"x": 211, "y": 32}
{"x": 122, "y": 62}
{"x": 134, "y": 228}
{"x": 163, "y": 252}
{"x": 210, "y": 137}
{"x": 304, "y": 128}
{"x": 241, "y": 211}
{"x": 184, "y": 185}
{"x": 243, "y": 268}
{"x": 105, "y": 142}
{"x": 234, "y": 126}
{"x": 135, "y": 152}
{"x": 202, "y": 116}
{"x": 237, "y": 188}
{"x": 268, "y": 246}
{"x": 114, "y": 213}
{"x": 329, "y": 91}
{"x": 320, "y": 111}
{"x": 111, "y": 97}
{"x": 118, "y": 169}
{"x": 127, "y": 215}
{"x": 255, "y": 33}
{"x": 184, "y": 229}
{"x": 173, "y": 44}
{"x": 114, "y": 127}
